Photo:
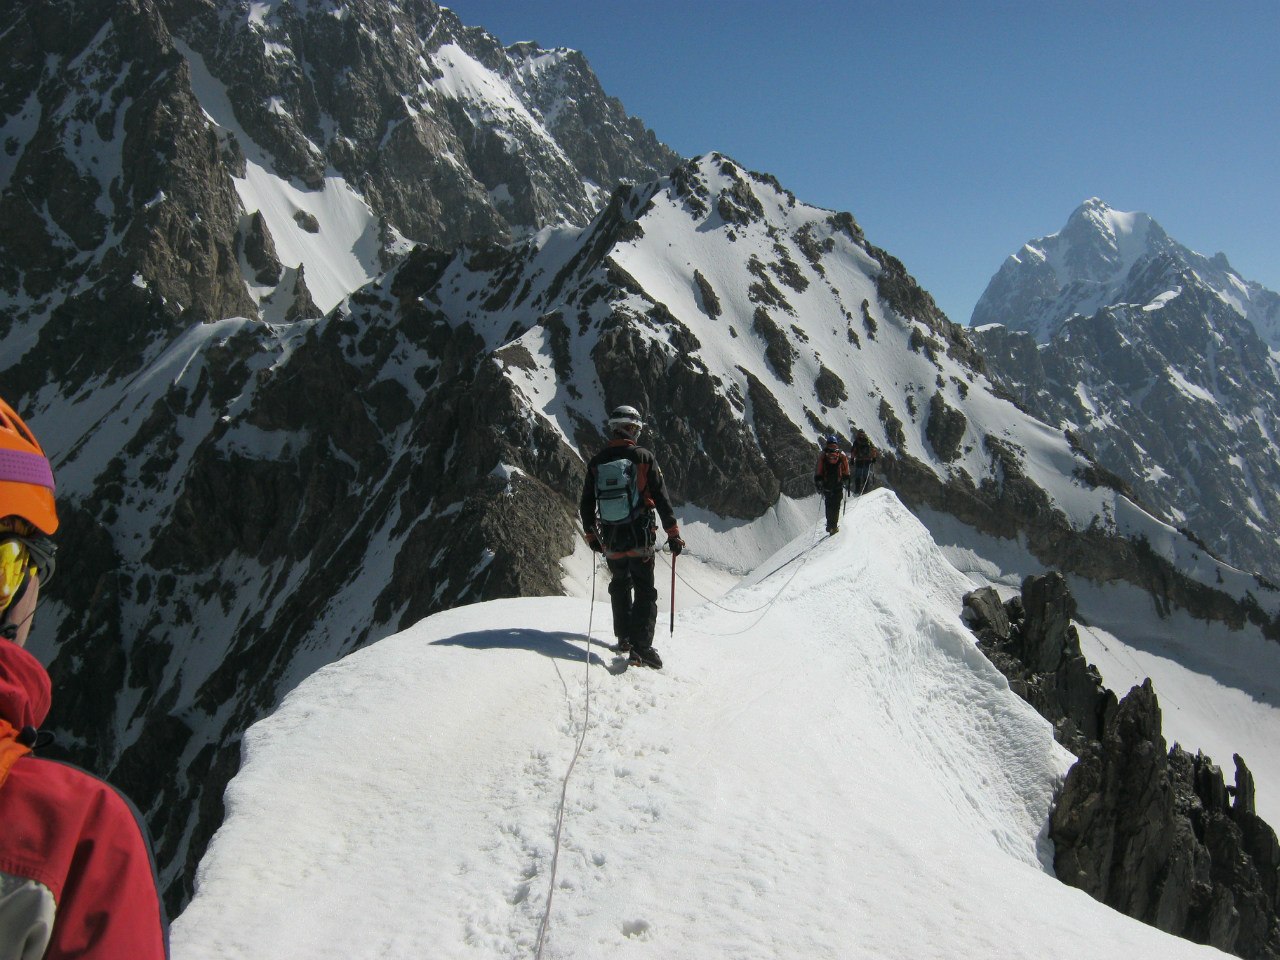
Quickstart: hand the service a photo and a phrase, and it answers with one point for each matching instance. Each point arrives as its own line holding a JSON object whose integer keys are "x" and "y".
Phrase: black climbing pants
{"x": 634, "y": 599}
{"x": 833, "y": 498}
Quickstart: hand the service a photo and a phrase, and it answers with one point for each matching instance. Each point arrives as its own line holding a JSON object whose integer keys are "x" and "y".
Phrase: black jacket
{"x": 653, "y": 492}
{"x": 864, "y": 451}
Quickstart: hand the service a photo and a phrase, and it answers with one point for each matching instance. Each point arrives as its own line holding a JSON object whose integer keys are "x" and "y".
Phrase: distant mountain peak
{"x": 1101, "y": 257}
{"x": 1137, "y": 338}
{"x": 1098, "y": 212}
{"x": 1101, "y": 219}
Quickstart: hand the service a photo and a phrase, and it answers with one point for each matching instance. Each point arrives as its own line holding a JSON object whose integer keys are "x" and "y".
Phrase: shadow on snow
{"x": 558, "y": 645}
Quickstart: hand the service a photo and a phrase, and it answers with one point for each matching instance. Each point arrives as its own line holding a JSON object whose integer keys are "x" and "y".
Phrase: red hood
{"x": 24, "y": 687}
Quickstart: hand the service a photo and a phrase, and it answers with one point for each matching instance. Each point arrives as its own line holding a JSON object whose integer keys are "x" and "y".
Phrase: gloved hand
{"x": 676, "y": 545}
{"x": 817, "y": 483}
{"x": 593, "y": 542}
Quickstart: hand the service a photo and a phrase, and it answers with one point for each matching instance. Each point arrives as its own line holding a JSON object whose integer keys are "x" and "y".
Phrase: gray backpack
{"x": 623, "y": 517}
{"x": 617, "y": 494}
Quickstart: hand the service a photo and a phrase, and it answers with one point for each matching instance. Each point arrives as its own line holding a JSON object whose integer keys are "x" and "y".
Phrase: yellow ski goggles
{"x": 19, "y": 557}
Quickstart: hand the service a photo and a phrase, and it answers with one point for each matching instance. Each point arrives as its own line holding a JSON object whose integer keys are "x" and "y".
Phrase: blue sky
{"x": 955, "y": 132}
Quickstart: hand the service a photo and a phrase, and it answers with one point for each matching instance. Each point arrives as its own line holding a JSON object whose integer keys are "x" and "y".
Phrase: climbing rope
{"x": 763, "y": 609}
{"x": 564, "y": 787}
{"x": 586, "y": 718}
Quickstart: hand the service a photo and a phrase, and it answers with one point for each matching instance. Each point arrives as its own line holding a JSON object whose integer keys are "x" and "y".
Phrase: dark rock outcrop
{"x": 830, "y": 388}
{"x": 944, "y": 429}
{"x": 260, "y": 251}
{"x": 1157, "y": 836}
{"x": 1154, "y": 833}
{"x": 1033, "y": 642}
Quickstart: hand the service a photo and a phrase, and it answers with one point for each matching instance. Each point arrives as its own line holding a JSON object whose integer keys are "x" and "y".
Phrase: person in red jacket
{"x": 77, "y": 878}
{"x": 830, "y": 477}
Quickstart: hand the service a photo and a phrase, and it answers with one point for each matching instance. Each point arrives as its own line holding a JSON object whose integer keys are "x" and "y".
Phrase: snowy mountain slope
{"x": 173, "y": 162}
{"x": 715, "y": 287}
{"x": 1091, "y": 263}
{"x": 262, "y": 499}
{"x": 834, "y": 776}
{"x": 1158, "y": 362}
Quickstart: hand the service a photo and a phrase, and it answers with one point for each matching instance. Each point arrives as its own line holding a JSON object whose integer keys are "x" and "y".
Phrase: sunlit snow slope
{"x": 826, "y": 768}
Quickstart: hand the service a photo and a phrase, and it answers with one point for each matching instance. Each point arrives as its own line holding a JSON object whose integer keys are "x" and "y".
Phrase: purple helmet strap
{"x": 19, "y": 467}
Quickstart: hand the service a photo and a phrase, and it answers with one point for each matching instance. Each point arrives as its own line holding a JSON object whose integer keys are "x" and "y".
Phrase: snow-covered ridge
{"x": 838, "y": 776}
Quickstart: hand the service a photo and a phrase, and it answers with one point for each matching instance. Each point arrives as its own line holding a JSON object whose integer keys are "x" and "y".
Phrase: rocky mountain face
{"x": 166, "y": 162}
{"x": 271, "y": 451}
{"x": 1033, "y": 642}
{"x": 1155, "y": 833}
{"x": 185, "y": 189}
{"x": 448, "y": 135}
{"x": 1158, "y": 362}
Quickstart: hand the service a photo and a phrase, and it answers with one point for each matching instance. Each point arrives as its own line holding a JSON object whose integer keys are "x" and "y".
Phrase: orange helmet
{"x": 26, "y": 479}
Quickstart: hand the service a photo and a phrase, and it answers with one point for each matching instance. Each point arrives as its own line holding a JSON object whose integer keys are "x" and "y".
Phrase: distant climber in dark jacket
{"x": 864, "y": 455}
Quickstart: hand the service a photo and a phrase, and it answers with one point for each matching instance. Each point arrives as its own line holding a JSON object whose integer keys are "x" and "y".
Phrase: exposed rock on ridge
{"x": 1035, "y": 645}
{"x": 1157, "y": 835}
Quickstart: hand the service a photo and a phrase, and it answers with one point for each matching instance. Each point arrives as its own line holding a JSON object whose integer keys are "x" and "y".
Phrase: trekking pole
{"x": 674, "y": 556}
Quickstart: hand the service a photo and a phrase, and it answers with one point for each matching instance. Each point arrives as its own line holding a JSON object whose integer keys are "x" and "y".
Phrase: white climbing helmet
{"x": 626, "y": 420}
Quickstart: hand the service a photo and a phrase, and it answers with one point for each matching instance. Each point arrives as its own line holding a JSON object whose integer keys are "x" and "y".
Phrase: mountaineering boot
{"x": 645, "y": 657}
{"x": 623, "y": 645}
